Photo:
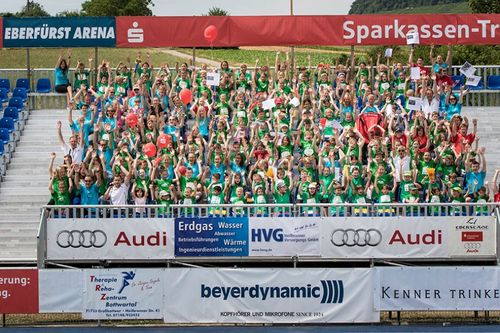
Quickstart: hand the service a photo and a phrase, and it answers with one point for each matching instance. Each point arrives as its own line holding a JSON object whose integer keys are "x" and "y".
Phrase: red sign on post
{"x": 19, "y": 291}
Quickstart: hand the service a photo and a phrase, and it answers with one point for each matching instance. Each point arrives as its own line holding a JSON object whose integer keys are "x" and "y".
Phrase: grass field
{"x": 46, "y": 58}
{"x": 239, "y": 56}
{"x": 449, "y": 8}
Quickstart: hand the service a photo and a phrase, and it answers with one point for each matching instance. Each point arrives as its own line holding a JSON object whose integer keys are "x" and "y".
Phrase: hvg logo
{"x": 266, "y": 235}
{"x": 135, "y": 34}
{"x": 330, "y": 292}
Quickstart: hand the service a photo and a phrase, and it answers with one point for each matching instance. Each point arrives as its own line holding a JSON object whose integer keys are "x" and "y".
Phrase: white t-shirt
{"x": 401, "y": 165}
{"x": 430, "y": 107}
{"x": 118, "y": 196}
{"x": 76, "y": 153}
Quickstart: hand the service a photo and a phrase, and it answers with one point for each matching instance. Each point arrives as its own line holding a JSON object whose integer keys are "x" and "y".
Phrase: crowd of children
{"x": 339, "y": 133}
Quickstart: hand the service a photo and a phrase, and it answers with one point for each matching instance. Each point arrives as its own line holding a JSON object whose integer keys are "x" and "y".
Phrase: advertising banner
{"x": 269, "y": 296}
{"x": 282, "y": 236}
{"x": 472, "y": 236}
{"x": 103, "y": 239}
{"x": 408, "y": 237}
{"x": 437, "y": 288}
{"x": 211, "y": 237}
{"x": 475, "y": 29}
{"x": 18, "y": 291}
{"x": 123, "y": 294}
{"x": 61, "y": 290}
{"x": 59, "y": 32}
{"x": 384, "y": 237}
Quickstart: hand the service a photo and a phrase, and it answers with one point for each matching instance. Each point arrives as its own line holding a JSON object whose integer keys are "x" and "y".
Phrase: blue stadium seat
{"x": 2, "y": 150}
{"x": 5, "y": 83}
{"x": 21, "y": 93}
{"x": 23, "y": 83}
{"x": 493, "y": 82}
{"x": 460, "y": 79}
{"x": 4, "y": 95}
{"x": 480, "y": 86}
{"x": 8, "y": 123}
{"x": 43, "y": 86}
{"x": 4, "y": 136}
{"x": 17, "y": 103}
{"x": 11, "y": 112}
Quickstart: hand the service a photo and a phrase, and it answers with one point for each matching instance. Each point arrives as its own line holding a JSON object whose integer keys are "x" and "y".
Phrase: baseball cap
{"x": 407, "y": 173}
{"x": 312, "y": 185}
{"x": 457, "y": 188}
{"x": 163, "y": 193}
{"x": 280, "y": 183}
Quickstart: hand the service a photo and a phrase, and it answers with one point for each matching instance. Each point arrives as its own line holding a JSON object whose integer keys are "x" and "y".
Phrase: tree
{"x": 117, "y": 7}
{"x": 69, "y": 13}
{"x": 31, "y": 9}
{"x": 484, "y": 6}
{"x": 217, "y": 11}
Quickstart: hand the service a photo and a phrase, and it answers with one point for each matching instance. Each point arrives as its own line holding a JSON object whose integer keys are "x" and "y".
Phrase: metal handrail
{"x": 270, "y": 210}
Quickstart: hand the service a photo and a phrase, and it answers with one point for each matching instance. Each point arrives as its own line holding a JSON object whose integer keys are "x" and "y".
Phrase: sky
{"x": 198, "y": 7}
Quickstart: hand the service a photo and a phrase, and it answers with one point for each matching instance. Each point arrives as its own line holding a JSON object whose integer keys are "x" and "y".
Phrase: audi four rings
{"x": 83, "y": 238}
{"x": 356, "y": 237}
{"x": 472, "y": 246}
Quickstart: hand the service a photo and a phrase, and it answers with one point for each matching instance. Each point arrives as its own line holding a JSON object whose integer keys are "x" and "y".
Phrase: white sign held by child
{"x": 467, "y": 69}
{"x": 268, "y": 104}
{"x": 415, "y": 73}
{"x": 388, "y": 53}
{"x": 295, "y": 102}
{"x": 473, "y": 80}
{"x": 412, "y": 38}
{"x": 213, "y": 79}
{"x": 414, "y": 103}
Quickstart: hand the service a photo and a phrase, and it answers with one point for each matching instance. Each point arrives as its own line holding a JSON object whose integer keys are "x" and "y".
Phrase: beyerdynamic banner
{"x": 269, "y": 296}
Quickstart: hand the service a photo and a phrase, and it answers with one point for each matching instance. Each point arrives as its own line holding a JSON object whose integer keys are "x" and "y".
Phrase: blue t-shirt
{"x": 371, "y": 109}
{"x": 471, "y": 176}
{"x": 453, "y": 109}
{"x": 61, "y": 77}
{"x": 89, "y": 196}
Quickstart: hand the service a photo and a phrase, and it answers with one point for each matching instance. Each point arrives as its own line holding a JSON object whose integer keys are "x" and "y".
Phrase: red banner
{"x": 18, "y": 291}
{"x": 307, "y": 30}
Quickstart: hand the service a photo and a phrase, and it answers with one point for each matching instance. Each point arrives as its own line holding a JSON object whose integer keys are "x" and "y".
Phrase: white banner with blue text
{"x": 198, "y": 295}
{"x": 437, "y": 288}
{"x": 122, "y": 294}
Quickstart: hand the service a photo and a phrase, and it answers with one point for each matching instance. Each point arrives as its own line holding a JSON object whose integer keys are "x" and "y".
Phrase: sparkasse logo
{"x": 330, "y": 292}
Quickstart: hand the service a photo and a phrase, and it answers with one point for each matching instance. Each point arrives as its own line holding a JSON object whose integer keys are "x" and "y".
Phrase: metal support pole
{"x": 194, "y": 56}
{"x": 3, "y": 319}
{"x": 28, "y": 67}
{"x": 292, "y": 49}
{"x": 398, "y": 313}
{"x": 96, "y": 60}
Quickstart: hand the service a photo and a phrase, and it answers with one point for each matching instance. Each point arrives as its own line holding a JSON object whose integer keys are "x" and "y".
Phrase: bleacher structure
{"x": 27, "y": 129}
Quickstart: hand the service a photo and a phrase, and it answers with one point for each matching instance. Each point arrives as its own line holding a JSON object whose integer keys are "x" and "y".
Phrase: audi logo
{"x": 356, "y": 237}
{"x": 472, "y": 246}
{"x": 81, "y": 238}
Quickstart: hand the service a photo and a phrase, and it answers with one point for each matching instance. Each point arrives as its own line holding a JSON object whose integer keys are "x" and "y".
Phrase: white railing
{"x": 270, "y": 210}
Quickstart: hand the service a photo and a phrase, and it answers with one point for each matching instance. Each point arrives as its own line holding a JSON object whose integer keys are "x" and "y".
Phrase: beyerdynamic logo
{"x": 330, "y": 292}
{"x": 356, "y": 237}
{"x": 83, "y": 238}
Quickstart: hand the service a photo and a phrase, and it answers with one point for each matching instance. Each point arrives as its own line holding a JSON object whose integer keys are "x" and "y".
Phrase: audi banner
{"x": 269, "y": 296}
{"x": 107, "y": 239}
{"x": 437, "y": 288}
{"x": 408, "y": 237}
